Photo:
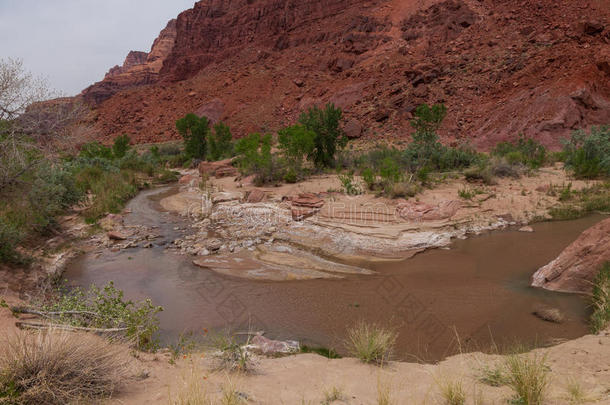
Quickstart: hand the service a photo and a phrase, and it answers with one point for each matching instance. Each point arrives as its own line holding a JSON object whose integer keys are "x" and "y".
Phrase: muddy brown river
{"x": 473, "y": 296}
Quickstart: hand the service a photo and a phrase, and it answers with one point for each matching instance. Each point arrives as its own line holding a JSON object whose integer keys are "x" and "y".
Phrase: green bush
{"x": 110, "y": 310}
{"x": 120, "y": 146}
{"x": 254, "y": 157}
{"x": 329, "y": 136}
{"x": 111, "y": 190}
{"x": 93, "y": 150}
{"x": 369, "y": 177}
{"x": 10, "y": 237}
{"x": 588, "y": 155}
{"x": 427, "y": 151}
{"x": 524, "y": 151}
{"x": 52, "y": 192}
{"x": 390, "y": 171}
{"x": 220, "y": 143}
{"x": 349, "y": 184}
{"x": 194, "y": 131}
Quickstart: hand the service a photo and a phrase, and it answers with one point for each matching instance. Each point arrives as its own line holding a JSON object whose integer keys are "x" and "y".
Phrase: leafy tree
{"x": 297, "y": 143}
{"x": 120, "y": 146}
{"x": 427, "y": 121}
{"x": 254, "y": 153}
{"x": 329, "y": 136}
{"x": 220, "y": 143}
{"x": 194, "y": 131}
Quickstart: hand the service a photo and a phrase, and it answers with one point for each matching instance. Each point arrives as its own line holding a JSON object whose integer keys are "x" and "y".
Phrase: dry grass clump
{"x": 600, "y": 300}
{"x": 527, "y": 375}
{"x": 384, "y": 393}
{"x": 57, "y": 367}
{"x": 233, "y": 356}
{"x": 332, "y": 394}
{"x": 453, "y": 392}
{"x": 576, "y": 394}
{"x": 371, "y": 343}
{"x": 193, "y": 390}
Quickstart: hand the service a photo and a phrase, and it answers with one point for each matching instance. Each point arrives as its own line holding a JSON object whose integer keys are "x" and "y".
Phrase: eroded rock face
{"x": 419, "y": 211}
{"x": 139, "y": 68}
{"x": 520, "y": 67}
{"x": 576, "y": 267}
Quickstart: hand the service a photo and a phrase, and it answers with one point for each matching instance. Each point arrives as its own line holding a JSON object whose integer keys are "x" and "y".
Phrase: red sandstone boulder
{"x": 116, "y": 235}
{"x": 353, "y": 129}
{"x": 256, "y": 196}
{"x": 187, "y": 179}
{"x": 308, "y": 200}
{"x": 576, "y": 267}
{"x": 222, "y": 168}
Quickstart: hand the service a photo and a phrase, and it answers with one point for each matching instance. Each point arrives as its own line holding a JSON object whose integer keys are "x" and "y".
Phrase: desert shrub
{"x": 600, "y": 299}
{"x": 527, "y": 376}
{"x": 524, "y": 150}
{"x": 588, "y": 154}
{"x": 329, "y": 136}
{"x": 10, "y": 237}
{"x": 479, "y": 174}
{"x": 169, "y": 150}
{"x": 108, "y": 308}
{"x": 120, "y": 146}
{"x": 373, "y": 158}
{"x": 390, "y": 171}
{"x": 426, "y": 151}
{"x": 578, "y": 203}
{"x": 53, "y": 191}
{"x": 468, "y": 193}
{"x": 194, "y": 131}
{"x": 403, "y": 189}
{"x": 231, "y": 355}
{"x": 502, "y": 167}
{"x": 94, "y": 150}
{"x": 371, "y": 343}
{"x": 111, "y": 190}
{"x": 220, "y": 143}
{"x": 369, "y": 177}
{"x": 349, "y": 184}
{"x": 58, "y": 368}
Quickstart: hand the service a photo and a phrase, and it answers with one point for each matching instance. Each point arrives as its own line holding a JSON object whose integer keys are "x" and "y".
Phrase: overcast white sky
{"x": 73, "y": 43}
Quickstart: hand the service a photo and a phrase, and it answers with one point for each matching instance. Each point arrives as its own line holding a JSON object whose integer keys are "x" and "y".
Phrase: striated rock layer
{"x": 502, "y": 67}
{"x": 576, "y": 267}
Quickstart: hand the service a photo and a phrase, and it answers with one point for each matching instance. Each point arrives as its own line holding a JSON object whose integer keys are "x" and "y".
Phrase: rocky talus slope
{"x": 502, "y": 67}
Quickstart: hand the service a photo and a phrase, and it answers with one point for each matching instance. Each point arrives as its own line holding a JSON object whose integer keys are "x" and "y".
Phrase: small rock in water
{"x": 204, "y": 252}
{"x": 548, "y": 314}
{"x": 526, "y": 229}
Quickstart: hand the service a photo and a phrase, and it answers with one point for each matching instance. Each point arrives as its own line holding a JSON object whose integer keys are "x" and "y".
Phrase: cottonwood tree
{"x": 29, "y": 124}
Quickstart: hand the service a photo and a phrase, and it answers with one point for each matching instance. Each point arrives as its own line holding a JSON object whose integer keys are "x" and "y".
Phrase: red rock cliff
{"x": 502, "y": 67}
{"x": 139, "y": 68}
